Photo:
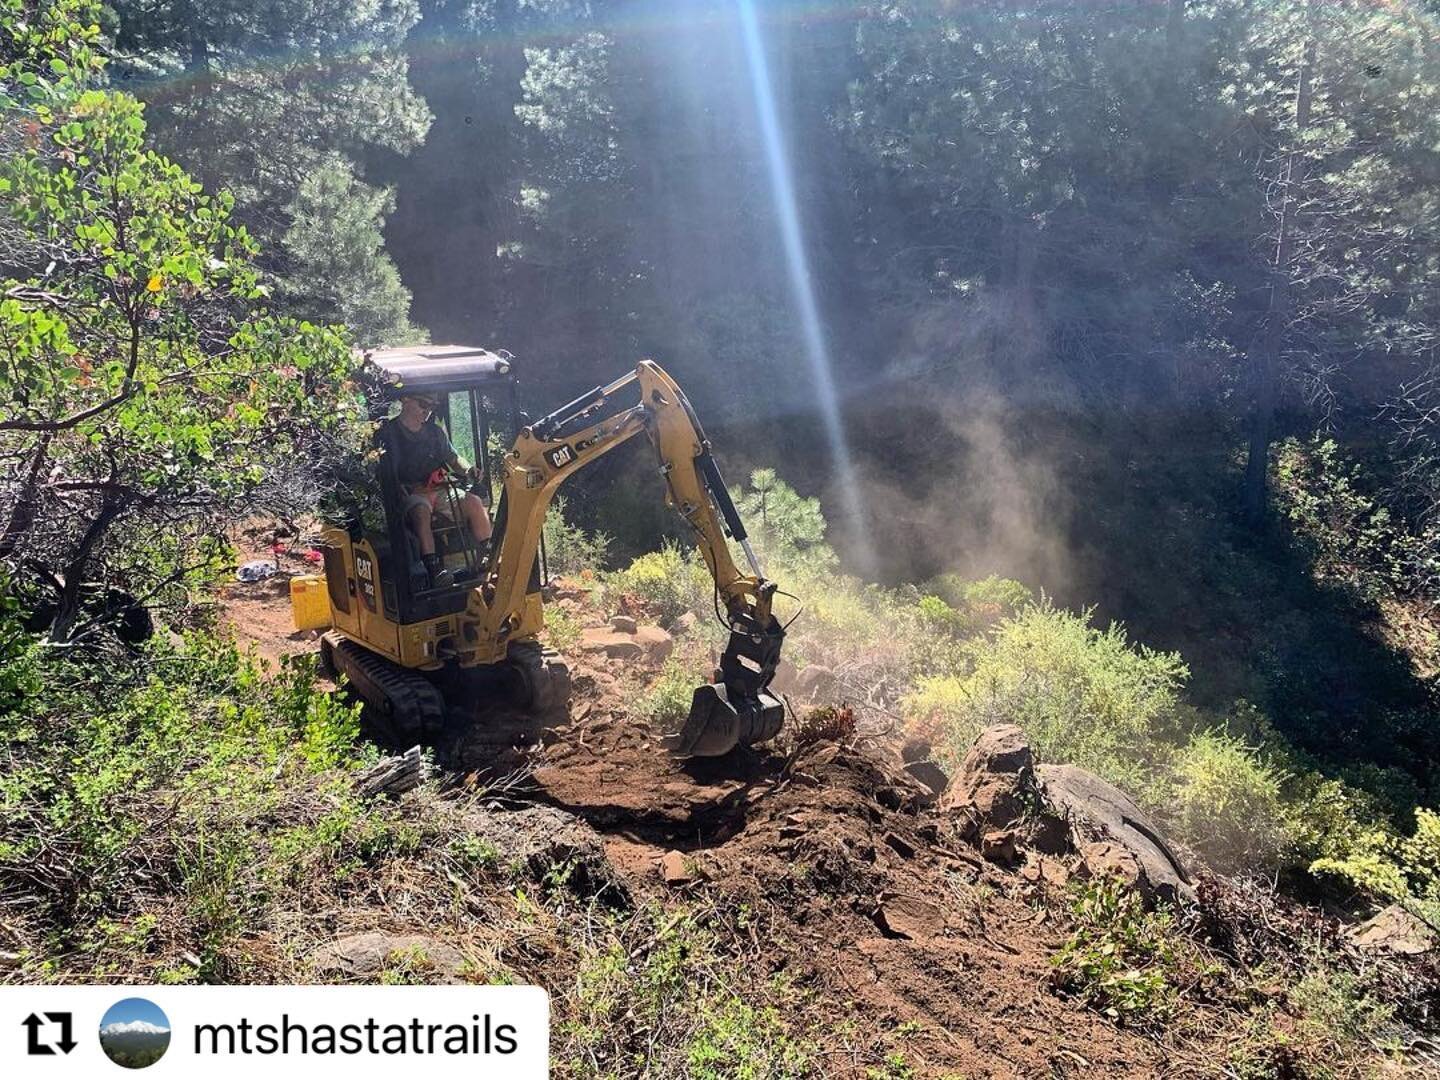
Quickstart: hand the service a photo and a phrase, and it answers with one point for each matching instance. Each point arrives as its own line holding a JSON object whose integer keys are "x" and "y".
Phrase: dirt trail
{"x": 861, "y": 890}
{"x": 866, "y": 891}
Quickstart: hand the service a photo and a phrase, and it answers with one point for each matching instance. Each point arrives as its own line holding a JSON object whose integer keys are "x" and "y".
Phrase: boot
{"x": 439, "y": 576}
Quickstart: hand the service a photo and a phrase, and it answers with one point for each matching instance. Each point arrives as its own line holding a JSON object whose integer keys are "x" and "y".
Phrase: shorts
{"x": 421, "y": 497}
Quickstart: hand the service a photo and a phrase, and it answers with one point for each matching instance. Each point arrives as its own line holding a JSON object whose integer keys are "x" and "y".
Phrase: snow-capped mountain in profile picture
{"x": 134, "y": 1042}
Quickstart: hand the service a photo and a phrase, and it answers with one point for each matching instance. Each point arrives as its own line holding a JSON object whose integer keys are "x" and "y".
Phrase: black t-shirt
{"x": 417, "y": 453}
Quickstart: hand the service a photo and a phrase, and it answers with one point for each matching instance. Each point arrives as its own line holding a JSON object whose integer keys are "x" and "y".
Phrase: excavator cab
{"x": 474, "y": 392}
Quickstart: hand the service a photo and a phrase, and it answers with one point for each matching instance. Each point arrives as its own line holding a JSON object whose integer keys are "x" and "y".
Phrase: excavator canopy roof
{"x": 438, "y": 369}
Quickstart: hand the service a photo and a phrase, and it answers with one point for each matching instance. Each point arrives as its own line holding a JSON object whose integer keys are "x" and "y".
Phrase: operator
{"x": 423, "y": 454}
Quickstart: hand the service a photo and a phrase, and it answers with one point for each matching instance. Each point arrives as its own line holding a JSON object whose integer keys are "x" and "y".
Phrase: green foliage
{"x": 990, "y": 598}
{"x": 672, "y": 581}
{"x": 1226, "y": 802}
{"x": 1403, "y": 869}
{"x": 663, "y": 974}
{"x": 138, "y": 370}
{"x": 1347, "y": 537}
{"x": 280, "y": 104}
{"x": 667, "y": 700}
{"x": 1082, "y": 694}
{"x": 224, "y": 786}
{"x": 48, "y": 50}
{"x": 338, "y": 270}
{"x": 787, "y": 530}
{"x": 1120, "y": 958}
{"x": 569, "y": 549}
{"x": 562, "y": 629}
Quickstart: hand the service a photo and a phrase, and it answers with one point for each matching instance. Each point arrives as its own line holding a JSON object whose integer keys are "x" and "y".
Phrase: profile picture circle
{"x": 134, "y": 1033}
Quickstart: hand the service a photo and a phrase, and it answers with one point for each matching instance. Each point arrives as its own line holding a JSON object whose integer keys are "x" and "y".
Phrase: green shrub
{"x": 984, "y": 600}
{"x": 1226, "y": 803}
{"x": 658, "y": 988}
{"x": 562, "y": 629}
{"x": 1120, "y": 959}
{"x": 569, "y": 549}
{"x": 667, "y": 700}
{"x": 1083, "y": 695}
{"x": 1393, "y": 868}
{"x": 671, "y": 581}
{"x": 786, "y": 529}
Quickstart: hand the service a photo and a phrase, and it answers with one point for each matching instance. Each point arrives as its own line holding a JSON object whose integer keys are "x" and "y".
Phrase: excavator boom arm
{"x": 737, "y": 708}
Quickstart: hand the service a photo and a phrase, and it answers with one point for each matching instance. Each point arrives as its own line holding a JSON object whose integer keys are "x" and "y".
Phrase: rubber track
{"x": 406, "y": 707}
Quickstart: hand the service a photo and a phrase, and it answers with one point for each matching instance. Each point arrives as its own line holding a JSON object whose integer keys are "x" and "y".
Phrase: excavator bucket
{"x": 715, "y": 726}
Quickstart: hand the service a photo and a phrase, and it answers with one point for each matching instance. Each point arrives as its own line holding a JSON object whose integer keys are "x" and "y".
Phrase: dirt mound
{"x": 865, "y": 891}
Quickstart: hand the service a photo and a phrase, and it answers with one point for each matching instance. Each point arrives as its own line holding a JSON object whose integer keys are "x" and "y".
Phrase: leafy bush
{"x": 569, "y": 549}
{"x": 159, "y": 783}
{"x": 1394, "y": 868}
{"x": 562, "y": 629}
{"x": 985, "y": 600}
{"x": 670, "y": 581}
{"x": 1120, "y": 959}
{"x": 1348, "y": 537}
{"x": 667, "y": 700}
{"x": 1226, "y": 802}
{"x": 1083, "y": 695}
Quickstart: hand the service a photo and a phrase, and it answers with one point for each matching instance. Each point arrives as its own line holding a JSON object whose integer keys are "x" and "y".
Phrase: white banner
{"x": 274, "y": 1032}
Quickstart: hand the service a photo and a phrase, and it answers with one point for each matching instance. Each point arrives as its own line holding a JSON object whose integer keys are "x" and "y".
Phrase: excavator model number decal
{"x": 365, "y": 571}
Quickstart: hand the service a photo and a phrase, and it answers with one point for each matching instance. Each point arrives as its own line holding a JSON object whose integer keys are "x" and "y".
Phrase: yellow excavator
{"x": 454, "y": 658}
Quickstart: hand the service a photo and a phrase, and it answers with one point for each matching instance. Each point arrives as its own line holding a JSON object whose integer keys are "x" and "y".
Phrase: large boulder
{"x": 1394, "y": 930}
{"x": 996, "y": 784}
{"x": 1112, "y": 835}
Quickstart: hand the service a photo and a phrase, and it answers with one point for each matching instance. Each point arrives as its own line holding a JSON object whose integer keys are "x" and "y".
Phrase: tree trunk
{"x": 68, "y": 611}
{"x": 1265, "y": 361}
{"x": 22, "y": 514}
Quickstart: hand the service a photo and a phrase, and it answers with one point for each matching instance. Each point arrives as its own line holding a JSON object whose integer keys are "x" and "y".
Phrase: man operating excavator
{"x": 422, "y": 455}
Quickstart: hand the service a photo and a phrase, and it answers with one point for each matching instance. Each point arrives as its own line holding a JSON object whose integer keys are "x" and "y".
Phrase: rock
{"x": 915, "y": 749}
{"x": 365, "y": 957}
{"x": 677, "y": 868}
{"x": 541, "y": 838}
{"x": 685, "y": 625}
{"x": 996, "y": 785}
{"x": 1395, "y": 930}
{"x": 912, "y": 917}
{"x": 622, "y": 623}
{"x": 783, "y": 681}
{"x": 1103, "y": 858}
{"x": 1112, "y": 834}
{"x": 931, "y": 777}
{"x": 998, "y": 845}
{"x": 1043, "y": 868}
{"x": 814, "y": 682}
{"x": 658, "y": 645}
{"x": 614, "y": 645}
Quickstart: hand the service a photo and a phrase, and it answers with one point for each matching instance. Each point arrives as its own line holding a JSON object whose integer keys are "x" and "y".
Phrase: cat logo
{"x": 560, "y": 457}
{"x": 365, "y": 571}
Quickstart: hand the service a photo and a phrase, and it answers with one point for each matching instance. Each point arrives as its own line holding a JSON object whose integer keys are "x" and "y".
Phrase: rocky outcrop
{"x": 1394, "y": 930}
{"x": 1058, "y": 820}
{"x": 1112, "y": 835}
{"x": 995, "y": 787}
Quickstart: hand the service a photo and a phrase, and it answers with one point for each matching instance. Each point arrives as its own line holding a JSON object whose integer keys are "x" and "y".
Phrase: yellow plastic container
{"x": 309, "y": 602}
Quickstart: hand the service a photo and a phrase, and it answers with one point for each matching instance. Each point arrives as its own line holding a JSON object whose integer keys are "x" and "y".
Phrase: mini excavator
{"x": 432, "y": 655}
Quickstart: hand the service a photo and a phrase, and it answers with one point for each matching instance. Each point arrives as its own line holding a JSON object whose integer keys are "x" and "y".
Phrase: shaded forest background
{"x": 1134, "y": 302}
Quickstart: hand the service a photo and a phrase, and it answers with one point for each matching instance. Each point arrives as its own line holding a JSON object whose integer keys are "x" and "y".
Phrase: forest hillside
{"x": 1073, "y": 367}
